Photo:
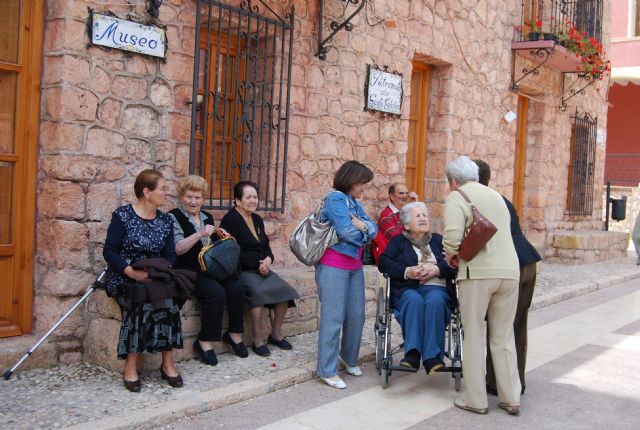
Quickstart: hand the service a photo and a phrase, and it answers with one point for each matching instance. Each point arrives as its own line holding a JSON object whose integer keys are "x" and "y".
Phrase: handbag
{"x": 311, "y": 238}
{"x": 367, "y": 255}
{"x": 220, "y": 258}
{"x": 477, "y": 234}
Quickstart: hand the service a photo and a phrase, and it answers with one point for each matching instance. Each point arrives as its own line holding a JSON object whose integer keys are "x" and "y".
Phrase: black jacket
{"x": 252, "y": 249}
{"x": 189, "y": 260}
{"x": 527, "y": 253}
{"x": 399, "y": 254}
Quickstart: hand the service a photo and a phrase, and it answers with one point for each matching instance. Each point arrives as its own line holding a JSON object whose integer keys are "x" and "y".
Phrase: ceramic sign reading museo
{"x": 128, "y": 35}
{"x": 383, "y": 91}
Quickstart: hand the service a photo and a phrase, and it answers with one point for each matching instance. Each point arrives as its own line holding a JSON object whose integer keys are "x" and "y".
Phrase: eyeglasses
{"x": 402, "y": 193}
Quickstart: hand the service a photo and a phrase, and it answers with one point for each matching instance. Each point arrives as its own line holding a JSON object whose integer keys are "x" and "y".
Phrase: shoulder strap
{"x": 464, "y": 195}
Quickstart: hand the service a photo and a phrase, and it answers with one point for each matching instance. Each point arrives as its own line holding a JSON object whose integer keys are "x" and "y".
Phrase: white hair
{"x": 462, "y": 169}
{"x": 405, "y": 212}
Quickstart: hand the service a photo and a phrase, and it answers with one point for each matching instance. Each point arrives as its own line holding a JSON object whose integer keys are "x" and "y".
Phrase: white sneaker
{"x": 335, "y": 382}
{"x": 353, "y": 371}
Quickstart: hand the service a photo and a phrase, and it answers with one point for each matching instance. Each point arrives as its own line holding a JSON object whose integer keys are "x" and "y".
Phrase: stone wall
{"x": 107, "y": 115}
{"x": 633, "y": 208}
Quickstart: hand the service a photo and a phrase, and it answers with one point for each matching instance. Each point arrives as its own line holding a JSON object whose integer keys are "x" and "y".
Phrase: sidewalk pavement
{"x": 85, "y": 396}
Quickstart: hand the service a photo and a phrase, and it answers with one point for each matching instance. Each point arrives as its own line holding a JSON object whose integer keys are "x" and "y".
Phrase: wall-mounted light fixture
{"x": 154, "y": 8}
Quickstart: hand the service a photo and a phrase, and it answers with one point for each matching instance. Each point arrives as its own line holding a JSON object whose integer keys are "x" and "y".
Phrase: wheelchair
{"x": 384, "y": 352}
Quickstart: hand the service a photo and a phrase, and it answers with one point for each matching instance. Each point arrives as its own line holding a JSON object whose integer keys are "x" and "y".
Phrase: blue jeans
{"x": 341, "y": 294}
{"x": 423, "y": 314}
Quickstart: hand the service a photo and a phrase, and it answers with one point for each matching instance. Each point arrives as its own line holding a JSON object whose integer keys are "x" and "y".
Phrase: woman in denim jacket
{"x": 340, "y": 277}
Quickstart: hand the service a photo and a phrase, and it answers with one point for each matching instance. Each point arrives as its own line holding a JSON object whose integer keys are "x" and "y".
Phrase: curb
{"x": 576, "y": 290}
{"x": 198, "y": 402}
{"x": 193, "y": 403}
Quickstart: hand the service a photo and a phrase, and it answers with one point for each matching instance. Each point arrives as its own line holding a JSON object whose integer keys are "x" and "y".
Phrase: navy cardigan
{"x": 399, "y": 254}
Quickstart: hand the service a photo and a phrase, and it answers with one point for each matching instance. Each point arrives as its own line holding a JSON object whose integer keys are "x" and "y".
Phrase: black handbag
{"x": 220, "y": 258}
{"x": 367, "y": 255}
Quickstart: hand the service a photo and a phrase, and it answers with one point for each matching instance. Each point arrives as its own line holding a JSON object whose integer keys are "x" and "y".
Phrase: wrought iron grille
{"x": 622, "y": 169}
{"x": 586, "y": 15}
{"x": 241, "y": 93}
{"x": 582, "y": 165}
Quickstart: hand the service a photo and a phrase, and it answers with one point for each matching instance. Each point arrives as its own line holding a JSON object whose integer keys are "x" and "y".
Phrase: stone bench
{"x": 103, "y": 319}
{"x": 579, "y": 247}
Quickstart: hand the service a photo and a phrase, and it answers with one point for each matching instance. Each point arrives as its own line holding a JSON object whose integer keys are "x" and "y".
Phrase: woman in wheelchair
{"x": 422, "y": 291}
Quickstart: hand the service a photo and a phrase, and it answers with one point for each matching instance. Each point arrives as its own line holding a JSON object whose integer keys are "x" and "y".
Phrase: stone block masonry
{"x": 106, "y": 115}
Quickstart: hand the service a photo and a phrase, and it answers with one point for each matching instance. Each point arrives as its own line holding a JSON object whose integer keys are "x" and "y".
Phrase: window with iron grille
{"x": 241, "y": 91}
{"x": 581, "y": 165}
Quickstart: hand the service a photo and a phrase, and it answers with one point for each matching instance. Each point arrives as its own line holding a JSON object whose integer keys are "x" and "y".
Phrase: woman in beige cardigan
{"x": 488, "y": 282}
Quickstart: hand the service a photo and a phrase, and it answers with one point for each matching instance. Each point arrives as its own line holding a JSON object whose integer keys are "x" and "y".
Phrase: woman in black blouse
{"x": 262, "y": 286}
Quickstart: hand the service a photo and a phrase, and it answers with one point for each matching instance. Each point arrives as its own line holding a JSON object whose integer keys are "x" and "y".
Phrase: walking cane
{"x": 98, "y": 283}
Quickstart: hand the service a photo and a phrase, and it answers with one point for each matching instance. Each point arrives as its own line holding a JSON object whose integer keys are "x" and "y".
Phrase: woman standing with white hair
{"x": 422, "y": 291}
{"x": 488, "y": 282}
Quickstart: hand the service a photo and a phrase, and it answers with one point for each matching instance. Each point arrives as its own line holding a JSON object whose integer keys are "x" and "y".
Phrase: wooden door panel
{"x": 417, "y": 134}
{"x": 20, "y": 58}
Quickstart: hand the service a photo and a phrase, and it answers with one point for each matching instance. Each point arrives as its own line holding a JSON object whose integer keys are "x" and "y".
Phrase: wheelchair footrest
{"x": 450, "y": 369}
{"x": 402, "y": 369}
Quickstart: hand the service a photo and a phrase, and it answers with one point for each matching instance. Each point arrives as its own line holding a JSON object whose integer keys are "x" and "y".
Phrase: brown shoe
{"x": 133, "y": 386}
{"x": 459, "y": 403}
{"x": 511, "y": 408}
{"x": 174, "y": 381}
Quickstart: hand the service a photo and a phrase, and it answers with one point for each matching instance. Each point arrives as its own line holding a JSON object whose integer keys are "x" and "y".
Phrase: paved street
{"x": 583, "y": 373}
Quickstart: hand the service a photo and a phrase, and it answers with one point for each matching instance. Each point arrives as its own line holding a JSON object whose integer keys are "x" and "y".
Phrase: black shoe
{"x": 174, "y": 381}
{"x": 491, "y": 391}
{"x": 411, "y": 360}
{"x": 432, "y": 365}
{"x": 207, "y": 357}
{"x": 262, "y": 350}
{"x": 133, "y": 386}
{"x": 239, "y": 348}
{"x": 282, "y": 343}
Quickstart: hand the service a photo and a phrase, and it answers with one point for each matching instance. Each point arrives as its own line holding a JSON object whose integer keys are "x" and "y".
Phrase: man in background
{"x": 389, "y": 224}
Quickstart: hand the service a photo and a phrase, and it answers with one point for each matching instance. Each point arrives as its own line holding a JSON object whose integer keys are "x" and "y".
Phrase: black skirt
{"x": 266, "y": 290}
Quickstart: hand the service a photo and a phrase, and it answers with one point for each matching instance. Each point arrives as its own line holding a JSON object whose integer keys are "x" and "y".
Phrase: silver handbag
{"x": 311, "y": 238}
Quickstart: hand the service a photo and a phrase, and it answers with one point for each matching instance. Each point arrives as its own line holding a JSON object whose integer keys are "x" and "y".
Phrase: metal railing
{"x": 622, "y": 169}
{"x": 240, "y": 104}
{"x": 557, "y": 16}
{"x": 582, "y": 167}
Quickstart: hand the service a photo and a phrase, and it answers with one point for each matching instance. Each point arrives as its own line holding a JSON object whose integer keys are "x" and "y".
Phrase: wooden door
{"x": 417, "y": 138}
{"x": 520, "y": 160}
{"x": 20, "y": 57}
{"x": 220, "y": 156}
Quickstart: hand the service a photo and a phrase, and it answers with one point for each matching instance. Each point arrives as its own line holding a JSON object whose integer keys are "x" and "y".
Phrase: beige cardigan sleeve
{"x": 457, "y": 216}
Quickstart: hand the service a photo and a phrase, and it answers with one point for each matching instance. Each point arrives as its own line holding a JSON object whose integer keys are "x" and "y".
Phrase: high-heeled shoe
{"x": 174, "y": 381}
{"x": 133, "y": 386}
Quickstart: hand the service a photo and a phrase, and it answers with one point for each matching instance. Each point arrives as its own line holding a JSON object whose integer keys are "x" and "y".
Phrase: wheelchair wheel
{"x": 379, "y": 328}
{"x": 457, "y": 357}
{"x": 385, "y": 372}
{"x": 457, "y": 380}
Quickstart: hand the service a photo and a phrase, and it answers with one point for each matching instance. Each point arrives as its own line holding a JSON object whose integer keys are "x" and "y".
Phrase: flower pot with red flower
{"x": 535, "y": 29}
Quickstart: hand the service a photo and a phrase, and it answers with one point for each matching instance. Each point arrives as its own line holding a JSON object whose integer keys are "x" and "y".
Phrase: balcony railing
{"x": 548, "y": 21}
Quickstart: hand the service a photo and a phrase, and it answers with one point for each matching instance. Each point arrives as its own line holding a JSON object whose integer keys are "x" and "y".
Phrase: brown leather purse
{"x": 477, "y": 234}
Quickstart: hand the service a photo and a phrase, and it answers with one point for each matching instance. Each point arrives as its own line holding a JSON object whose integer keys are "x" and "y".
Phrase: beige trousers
{"x": 498, "y": 297}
